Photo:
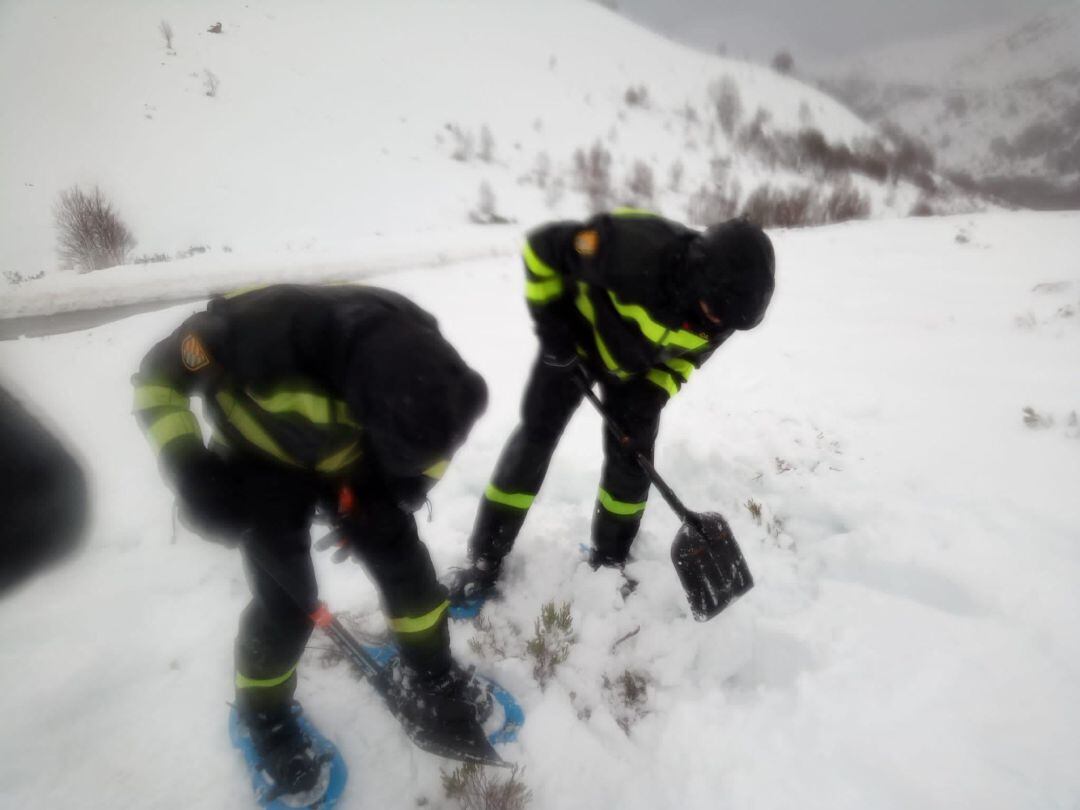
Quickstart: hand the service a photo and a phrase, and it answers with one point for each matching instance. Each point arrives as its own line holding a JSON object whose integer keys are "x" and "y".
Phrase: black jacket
{"x": 313, "y": 378}
{"x": 610, "y": 288}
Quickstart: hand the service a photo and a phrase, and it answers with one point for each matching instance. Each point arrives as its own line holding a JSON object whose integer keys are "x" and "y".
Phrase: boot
{"x": 476, "y": 582}
{"x": 284, "y": 749}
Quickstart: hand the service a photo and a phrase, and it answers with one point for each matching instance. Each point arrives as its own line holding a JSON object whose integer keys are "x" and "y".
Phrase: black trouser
{"x": 274, "y": 627}
{"x": 551, "y": 397}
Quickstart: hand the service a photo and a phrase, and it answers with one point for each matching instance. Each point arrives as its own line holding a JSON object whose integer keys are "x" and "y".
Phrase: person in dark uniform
{"x": 44, "y": 495}
{"x": 348, "y": 396}
{"x": 636, "y": 303}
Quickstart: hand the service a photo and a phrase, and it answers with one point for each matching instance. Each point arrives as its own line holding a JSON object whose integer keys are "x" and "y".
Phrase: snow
{"x": 331, "y": 123}
{"x": 910, "y": 641}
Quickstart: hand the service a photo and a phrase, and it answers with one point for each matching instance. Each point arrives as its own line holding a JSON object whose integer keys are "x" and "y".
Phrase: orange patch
{"x": 193, "y": 353}
{"x": 586, "y": 242}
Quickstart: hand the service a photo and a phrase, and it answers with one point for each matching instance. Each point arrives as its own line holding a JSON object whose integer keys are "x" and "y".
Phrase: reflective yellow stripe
{"x": 657, "y": 332}
{"x": 342, "y": 415}
{"x": 632, "y": 212}
{"x": 535, "y": 264}
{"x": 244, "y": 682}
{"x": 517, "y": 500}
{"x": 437, "y": 470}
{"x": 664, "y": 380}
{"x": 341, "y": 459}
{"x": 158, "y": 396}
{"x": 540, "y": 291}
{"x": 419, "y": 624}
{"x": 250, "y": 429}
{"x": 173, "y": 426}
{"x": 684, "y": 367}
{"x": 617, "y": 507}
{"x": 585, "y": 307}
{"x": 241, "y": 290}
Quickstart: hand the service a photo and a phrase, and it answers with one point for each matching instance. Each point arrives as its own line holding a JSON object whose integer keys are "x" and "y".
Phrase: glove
{"x": 211, "y": 500}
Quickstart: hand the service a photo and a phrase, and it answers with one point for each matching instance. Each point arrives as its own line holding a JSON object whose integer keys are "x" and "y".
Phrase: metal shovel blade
{"x": 711, "y": 567}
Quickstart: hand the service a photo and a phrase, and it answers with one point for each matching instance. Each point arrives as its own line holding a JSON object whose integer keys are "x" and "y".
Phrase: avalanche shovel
{"x": 710, "y": 565}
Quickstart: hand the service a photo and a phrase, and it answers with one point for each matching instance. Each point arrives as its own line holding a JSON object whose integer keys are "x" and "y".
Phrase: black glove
{"x": 210, "y": 498}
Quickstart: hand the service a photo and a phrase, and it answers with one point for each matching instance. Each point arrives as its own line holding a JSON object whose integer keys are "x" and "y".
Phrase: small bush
{"x": 15, "y": 278}
{"x": 463, "y": 143}
{"x": 167, "y": 33}
{"x": 210, "y": 83}
{"x": 724, "y": 94}
{"x": 472, "y": 789}
{"x": 922, "y": 208}
{"x": 627, "y": 694}
{"x": 485, "y": 213}
{"x": 640, "y": 185}
{"x": 783, "y": 63}
{"x": 550, "y": 646}
{"x": 1037, "y": 421}
{"x": 151, "y": 258}
{"x": 712, "y": 203}
{"x": 486, "y": 150}
{"x": 592, "y": 170}
{"x": 636, "y": 96}
{"x": 754, "y": 508}
{"x": 91, "y": 234}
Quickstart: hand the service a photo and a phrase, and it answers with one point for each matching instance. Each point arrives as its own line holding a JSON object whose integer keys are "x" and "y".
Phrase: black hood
{"x": 731, "y": 266}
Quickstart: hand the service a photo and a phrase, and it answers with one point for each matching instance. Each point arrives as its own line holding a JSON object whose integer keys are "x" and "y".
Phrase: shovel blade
{"x": 710, "y": 564}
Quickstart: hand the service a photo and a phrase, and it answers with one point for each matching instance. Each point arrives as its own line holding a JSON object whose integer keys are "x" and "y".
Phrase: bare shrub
{"x": 485, "y": 213}
{"x": 470, "y": 786}
{"x": 167, "y": 33}
{"x": 783, "y": 63}
{"x": 1037, "y": 421}
{"x": 640, "y": 185}
{"x": 464, "y": 147}
{"x": 541, "y": 172}
{"x": 712, "y": 203}
{"x": 15, "y": 278}
{"x": 214, "y": 29}
{"x": 210, "y": 83}
{"x": 724, "y": 94}
{"x": 922, "y": 208}
{"x": 675, "y": 175}
{"x": 91, "y": 234}
{"x": 486, "y": 150}
{"x": 151, "y": 258}
{"x": 637, "y": 96}
{"x": 592, "y": 171}
{"x": 843, "y": 203}
{"x": 554, "y": 192}
{"x": 550, "y": 646}
{"x": 627, "y": 694}
{"x": 754, "y": 508}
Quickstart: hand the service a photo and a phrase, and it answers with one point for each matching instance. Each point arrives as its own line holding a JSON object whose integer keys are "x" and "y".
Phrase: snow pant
{"x": 44, "y": 498}
{"x": 275, "y": 627}
{"x": 551, "y": 396}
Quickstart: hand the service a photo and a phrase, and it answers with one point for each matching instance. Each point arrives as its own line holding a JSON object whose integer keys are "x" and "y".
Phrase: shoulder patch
{"x": 193, "y": 353}
{"x": 586, "y": 242}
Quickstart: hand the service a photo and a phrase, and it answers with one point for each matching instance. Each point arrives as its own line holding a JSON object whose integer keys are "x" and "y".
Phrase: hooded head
{"x": 729, "y": 275}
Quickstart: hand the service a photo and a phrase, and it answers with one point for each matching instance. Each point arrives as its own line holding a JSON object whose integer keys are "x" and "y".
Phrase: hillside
{"x": 1001, "y": 103}
{"x": 300, "y": 129}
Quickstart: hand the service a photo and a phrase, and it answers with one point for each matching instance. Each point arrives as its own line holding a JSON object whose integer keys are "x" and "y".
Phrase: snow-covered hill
{"x": 910, "y": 642}
{"x": 337, "y": 121}
{"x": 997, "y": 102}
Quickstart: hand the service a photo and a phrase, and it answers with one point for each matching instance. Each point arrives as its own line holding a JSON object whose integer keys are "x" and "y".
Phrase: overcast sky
{"x": 816, "y": 30}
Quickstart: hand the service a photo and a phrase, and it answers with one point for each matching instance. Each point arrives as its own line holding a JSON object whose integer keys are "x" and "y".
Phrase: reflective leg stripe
{"x": 172, "y": 426}
{"x": 340, "y": 460}
{"x": 418, "y": 624}
{"x": 617, "y": 507}
{"x": 244, "y": 682}
{"x": 627, "y": 211}
{"x": 158, "y": 396}
{"x": 664, "y": 380}
{"x": 517, "y": 500}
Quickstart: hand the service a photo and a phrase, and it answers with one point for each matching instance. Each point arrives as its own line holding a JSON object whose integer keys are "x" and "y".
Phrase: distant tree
{"x": 486, "y": 150}
{"x": 167, "y": 32}
{"x": 783, "y": 63}
{"x": 727, "y": 102}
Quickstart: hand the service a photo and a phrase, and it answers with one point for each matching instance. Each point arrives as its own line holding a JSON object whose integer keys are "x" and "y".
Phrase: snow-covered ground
{"x": 335, "y": 122}
{"x": 911, "y": 641}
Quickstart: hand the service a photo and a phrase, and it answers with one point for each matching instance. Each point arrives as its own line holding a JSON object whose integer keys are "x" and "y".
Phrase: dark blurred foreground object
{"x": 43, "y": 495}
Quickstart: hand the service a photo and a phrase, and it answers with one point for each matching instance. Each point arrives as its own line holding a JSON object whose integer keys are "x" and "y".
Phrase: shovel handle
{"x": 585, "y": 383}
